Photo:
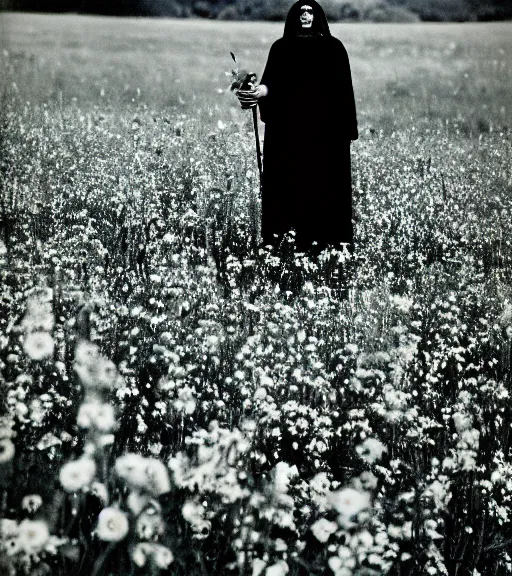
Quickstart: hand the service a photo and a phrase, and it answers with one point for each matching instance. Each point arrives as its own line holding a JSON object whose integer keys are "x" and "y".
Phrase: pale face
{"x": 306, "y": 16}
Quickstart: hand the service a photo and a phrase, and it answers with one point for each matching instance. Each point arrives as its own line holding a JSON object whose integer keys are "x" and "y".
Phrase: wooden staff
{"x": 258, "y": 147}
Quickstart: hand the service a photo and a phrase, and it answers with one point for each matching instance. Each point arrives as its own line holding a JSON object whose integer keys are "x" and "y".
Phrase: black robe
{"x": 310, "y": 119}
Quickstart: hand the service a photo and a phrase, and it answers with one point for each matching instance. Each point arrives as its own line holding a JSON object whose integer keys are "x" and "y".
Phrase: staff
{"x": 245, "y": 84}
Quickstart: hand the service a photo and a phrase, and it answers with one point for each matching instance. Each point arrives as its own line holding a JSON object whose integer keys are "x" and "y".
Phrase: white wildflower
{"x": 278, "y": 569}
{"x": 38, "y": 345}
{"x": 163, "y": 556}
{"x": 394, "y": 531}
{"x": 12, "y": 545}
{"x": 94, "y": 370}
{"x": 365, "y": 481}
{"x": 47, "y": 441}
{"x": 440, "y": 494}
{"x": 32, "y": 503}
{"x": 137, "y": 501}
{"x": 150, "y": 525}
{"x": 193, "y": 512}
{"x": 349, "y": 502}
{"x": 100, "y": 490}
{"x": 258, "y": 565}
{"x": 260, "y": 394}
{"x": 132, "y": 468}
{"x": 9, "y": 531}
{"x": 98, "y": 415}
{"x": 462, "y": 421}
{"x": 33, "y": 535}
{"x": 401, "y": 303}
{"x": 102, "y": 374}
{"x": 336, "y": 565}
{"x": 371, "y": 450}
{"x": 86, "y": 352}
{"x": 280, "y": 545}
{"x": 149, "y": 474}
{"x": 77, "y": 474}
{"x": 8, "y": 528}
{"x": 39, "y": 315}
{"x": 141, "y": 553}
{"x": 157, "y": 476}
{"x": 322, "y": 529}
{"x": 144, "y": 551}
{"x": 467, "y": 460}
{"x": 112, "y": 525}
{"x": 6, "y": 450}
{"x": 283, "y": 473}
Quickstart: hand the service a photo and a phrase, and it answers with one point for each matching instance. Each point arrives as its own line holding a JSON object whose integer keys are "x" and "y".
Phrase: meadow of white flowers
{"x": 177, "y": 400}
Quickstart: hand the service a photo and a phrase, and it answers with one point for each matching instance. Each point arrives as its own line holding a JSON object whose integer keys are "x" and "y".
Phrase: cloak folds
{"x": 310, "y": 119}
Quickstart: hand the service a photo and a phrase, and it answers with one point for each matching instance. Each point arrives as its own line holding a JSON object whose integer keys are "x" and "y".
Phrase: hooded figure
{"x": 306, "y": 101}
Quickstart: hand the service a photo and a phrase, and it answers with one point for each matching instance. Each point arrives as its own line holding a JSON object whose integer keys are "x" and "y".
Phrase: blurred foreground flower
{"x": 32, "y": 503}
{"x": 38, "y": 345}
{"x": 279, "y": 569}
{"x": 6, "y": 450}
{"x": 33, "y": 535}
{"x": 9, "y": 531}
{"x": 77, "y": 474}
{"x": 349, "y": 502}
{"x": 39, "y": 314}
{"x": 283, "y": 473}
{"x": 150, "y": 525}
{"x": 322, "y": 529}
{"x": 97, "y": 415}
{"x": 100, "y": 491}
{"x": 371, "y": 450}
{"x": 193, "y": 512}
{"x": 161, "y": 556}
{"x": 148, "y": 474}
{"x": 112, "y": 525}
{"x": 94, "y": 370}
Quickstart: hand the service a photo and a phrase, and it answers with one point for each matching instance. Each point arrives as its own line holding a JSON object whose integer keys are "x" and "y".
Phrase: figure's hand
{"x": 249, "y": 98}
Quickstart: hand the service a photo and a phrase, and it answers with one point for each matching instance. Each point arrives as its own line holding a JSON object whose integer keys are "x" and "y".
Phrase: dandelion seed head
{"x": 33, "y": 535}
{"x": 112, "y": 525}
{"x": 78, "y": 474}
{"x": 38, "y": 345}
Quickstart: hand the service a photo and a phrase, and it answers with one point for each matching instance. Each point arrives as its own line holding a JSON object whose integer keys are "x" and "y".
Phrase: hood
{"x": 292, "y": 25}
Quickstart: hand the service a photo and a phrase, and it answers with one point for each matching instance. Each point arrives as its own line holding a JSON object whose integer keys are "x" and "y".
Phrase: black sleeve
{"x": 267, "y": 104}
{"x": 348, "y": 103}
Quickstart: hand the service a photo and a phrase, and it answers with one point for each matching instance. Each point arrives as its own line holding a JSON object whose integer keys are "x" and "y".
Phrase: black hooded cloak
{"x": 310, "y": 119}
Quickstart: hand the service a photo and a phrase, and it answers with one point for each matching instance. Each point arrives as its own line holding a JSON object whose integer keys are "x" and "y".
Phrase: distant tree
{"x": 441, "y": 10}
{"x": 203, "y": 9}
{"x": 355, "y": 10}
{"x": 229, "y": 13}
{"x": 491, "y": 10}
{"x": 275, "y": 10}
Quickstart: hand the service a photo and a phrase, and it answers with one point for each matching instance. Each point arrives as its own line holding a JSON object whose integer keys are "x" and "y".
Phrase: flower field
{"x": 177, "y": 400}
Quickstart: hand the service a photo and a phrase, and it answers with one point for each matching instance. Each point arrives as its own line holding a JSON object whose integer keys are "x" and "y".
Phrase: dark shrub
{"x": 441, "y": 10}
{"x": 385, "y": 13}
{"x": 203, "y": 9}
{"x": 229, "y": 13}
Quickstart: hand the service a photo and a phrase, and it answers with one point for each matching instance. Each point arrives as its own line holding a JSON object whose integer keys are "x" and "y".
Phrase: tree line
{"x": 344, "y": 10}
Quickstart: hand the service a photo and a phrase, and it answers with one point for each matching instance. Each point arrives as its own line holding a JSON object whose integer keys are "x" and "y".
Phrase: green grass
{"x": 402, "y": 73}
